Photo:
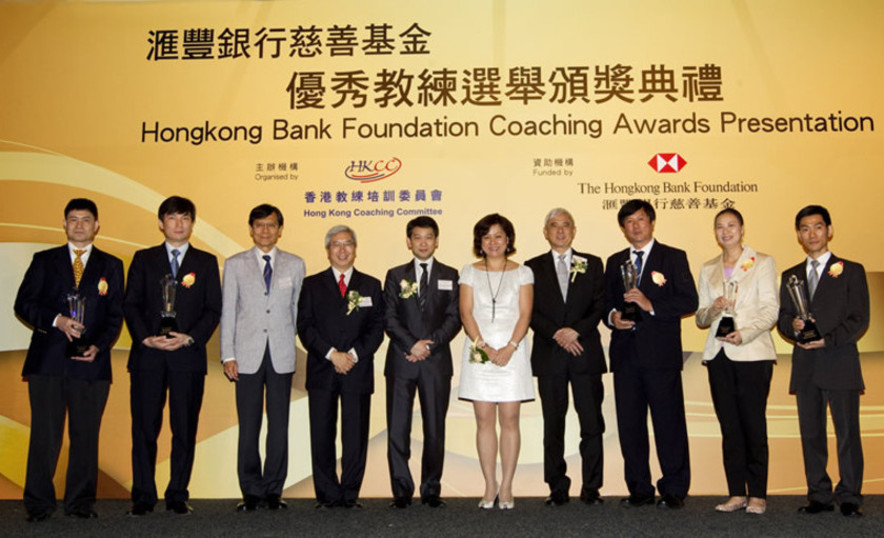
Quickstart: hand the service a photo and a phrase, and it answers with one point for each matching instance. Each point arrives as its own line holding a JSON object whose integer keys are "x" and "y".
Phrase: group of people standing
{"x": 341, "y": 315}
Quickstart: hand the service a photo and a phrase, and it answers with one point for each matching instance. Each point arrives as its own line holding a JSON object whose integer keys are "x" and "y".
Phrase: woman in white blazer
{"x": 740, "y": 363}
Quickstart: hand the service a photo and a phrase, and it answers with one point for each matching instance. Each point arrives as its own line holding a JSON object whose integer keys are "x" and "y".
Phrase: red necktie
{"x": 342, "y": 286}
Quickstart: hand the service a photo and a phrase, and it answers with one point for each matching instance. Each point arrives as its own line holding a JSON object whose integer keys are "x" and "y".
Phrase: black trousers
{"x": 588, "y": 393}
{"x": 635, "y": 391}
{"x": 434, "y": 394}
{"x": 739, "y": 394}
{"x": 148, "y": 399}
{"x": 250, "y": 398}
{"x": 844, "y": 405}
{"x": 51, "y": 398}
{"x": 355, "y": 415}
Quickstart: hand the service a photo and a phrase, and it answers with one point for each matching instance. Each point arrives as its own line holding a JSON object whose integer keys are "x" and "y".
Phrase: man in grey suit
{"x": 826, "y": 371}
{"x": 260, "y": 307}
{"x": 421, "y": 318}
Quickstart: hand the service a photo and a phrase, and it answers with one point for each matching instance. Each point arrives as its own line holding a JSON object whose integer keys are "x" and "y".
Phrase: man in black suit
{"x": 60, "y": 382}
{"x": 422, "y": 317}
{"x": 341, "y": 324}
{"x": 826, "y": 370}
{"x": 175, "y": 362}
{"x": 646, "y": 358}
{"x": 569, "y": 300}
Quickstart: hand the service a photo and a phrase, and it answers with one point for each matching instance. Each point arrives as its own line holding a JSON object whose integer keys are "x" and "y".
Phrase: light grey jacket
{"x": 251, "y": 317}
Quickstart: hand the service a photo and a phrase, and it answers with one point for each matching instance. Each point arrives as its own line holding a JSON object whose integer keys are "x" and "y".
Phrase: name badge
{"x": 446, "y": 285}
{"x": 364, "y": 301}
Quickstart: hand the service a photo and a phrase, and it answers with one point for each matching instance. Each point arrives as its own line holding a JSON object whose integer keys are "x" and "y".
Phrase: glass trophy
{"x": 727, "y": 324}
{"x": 168, "y": 314}
{"x": 77, "y": 312}
{"x": 629, "y": 311}
{"x": 798, "y": 293}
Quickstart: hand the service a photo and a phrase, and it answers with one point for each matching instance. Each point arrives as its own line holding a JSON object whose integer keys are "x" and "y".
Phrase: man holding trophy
{"x": 72, "y": 296}
{"x": 172, "y": 306}
{"x": 824, "y": 309}
{"x": 646, "y": 356}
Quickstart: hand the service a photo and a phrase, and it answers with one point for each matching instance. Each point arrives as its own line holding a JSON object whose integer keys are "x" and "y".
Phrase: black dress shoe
{"x": 179, "y": 507}
{"x": 634, "y": 501}
{"x": 815, "y": 507}
{"x": 670, "y": 502}
{"x": 249, "y": 503}
{"x": 83, "y": 514}
{"x": 38, "y": 517}
{"x": 274, "y": 502}
{"x": 400, "y": 502}
{"x": 139, "y": 509}
{"x": 355, "y": 505}
{"x": 591, "y": 497}
{"x": 556, "y": 498}
{"x": 433, "y": 501}
{"x": 324, "y": 505}
{"x": 851, "y": 510}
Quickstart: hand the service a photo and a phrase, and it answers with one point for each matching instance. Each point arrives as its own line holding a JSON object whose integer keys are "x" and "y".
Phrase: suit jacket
{"x": 43, "y": 295}
{"x": 406, "y": 324}
{"x": 323, "y": 324}
{"x": 840, "y": 308}
{"x": 582, "y": 312}
{"x": 656, "y": 340}
{"x": 756, "y": 308}
{"x": 252, "y": 318}
{"x": 198, "y": 308}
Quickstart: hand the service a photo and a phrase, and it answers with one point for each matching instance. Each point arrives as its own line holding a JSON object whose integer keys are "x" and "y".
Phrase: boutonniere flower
{"x": 836, "y": 269}
{"x": 477, "y": 354}
{"x": 578, "y": 265}
{"x": 407, "y": 288}
{"x": 353, "y": 300}
{"x": 102, "y": 286}
{"x": 658, "y": 278}
{"x": 746, "y": 265}
{"x": 188, "y": 280}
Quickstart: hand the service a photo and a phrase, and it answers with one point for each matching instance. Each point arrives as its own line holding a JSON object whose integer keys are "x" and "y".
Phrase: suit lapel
{"x": 92, "y": 271}
{"x": 64, "y": 267}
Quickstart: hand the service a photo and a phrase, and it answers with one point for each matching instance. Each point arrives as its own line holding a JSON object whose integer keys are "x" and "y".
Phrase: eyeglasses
{"x": 341, "y": 244}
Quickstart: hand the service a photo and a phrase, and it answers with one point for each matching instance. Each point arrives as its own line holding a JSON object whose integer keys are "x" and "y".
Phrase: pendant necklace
{"x": 493, "y": 293}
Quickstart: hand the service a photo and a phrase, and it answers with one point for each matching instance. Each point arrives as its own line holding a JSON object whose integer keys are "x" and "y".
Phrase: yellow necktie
{"x": 78, "y": 266}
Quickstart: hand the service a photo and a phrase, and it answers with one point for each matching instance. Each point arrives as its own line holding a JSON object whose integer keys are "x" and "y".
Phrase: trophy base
{"x": 76, "y": 348}
{"x": 725, "y": 327}
{"x": 631, "y": 312}
{"x": 167, "y": 326}
{"x": 809, "y": 333}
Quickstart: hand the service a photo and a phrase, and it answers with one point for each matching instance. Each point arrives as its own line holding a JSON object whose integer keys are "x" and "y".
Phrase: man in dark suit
{"x": 341, "y": 324}
{"x": 422, "y": 317}
{"x": 260, "y": 305}
{"x": 569, "y": 300}
{"x": 175, "y": 362}
{"x": 826, "y": 370}
{"x": 646, "y": 358}
{"x": 58, "y": 383}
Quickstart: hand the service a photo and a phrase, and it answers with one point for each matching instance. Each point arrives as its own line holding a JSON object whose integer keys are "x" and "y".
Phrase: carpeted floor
{"x": 460, "y": 518}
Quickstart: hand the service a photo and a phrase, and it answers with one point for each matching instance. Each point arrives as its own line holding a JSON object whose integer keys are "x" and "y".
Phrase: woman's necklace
{"x": 493, "y": 293}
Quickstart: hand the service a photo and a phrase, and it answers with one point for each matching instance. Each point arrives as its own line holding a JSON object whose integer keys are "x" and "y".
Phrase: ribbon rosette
{"x": 578, "y": 265}
{"x": 746, "y": 265}
{"x": 102, "y": 286}
{"x": 353, "y": 300}
{"x": 188, "y": 280}
{"x": 836, "y": 269}
{"x": 407, "y": 288}
{"x": 658, "y": 278}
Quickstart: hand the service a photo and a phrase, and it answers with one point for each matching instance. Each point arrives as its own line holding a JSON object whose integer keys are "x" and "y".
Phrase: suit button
{"x": 268, "y": 311}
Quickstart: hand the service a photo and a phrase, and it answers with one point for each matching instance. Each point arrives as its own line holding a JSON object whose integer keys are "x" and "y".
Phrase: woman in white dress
{"x": 496, "y": 297}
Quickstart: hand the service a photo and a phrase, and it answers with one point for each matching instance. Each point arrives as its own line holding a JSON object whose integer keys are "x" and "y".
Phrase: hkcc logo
{"x": 667, "y": 163}
{"x": 368, "y": 171}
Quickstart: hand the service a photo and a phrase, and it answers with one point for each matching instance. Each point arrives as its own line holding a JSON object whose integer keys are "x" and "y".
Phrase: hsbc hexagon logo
{"x": 667, "y": 163}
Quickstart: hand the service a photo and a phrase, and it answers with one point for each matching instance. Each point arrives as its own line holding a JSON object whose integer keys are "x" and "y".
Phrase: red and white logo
{"x": 667, "y": 163}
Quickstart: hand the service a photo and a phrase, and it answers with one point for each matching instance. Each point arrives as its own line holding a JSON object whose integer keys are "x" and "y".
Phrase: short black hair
{"x": 633, "y": 206}
{"x": 813, "y": 210}
{"x": 421, "y": 222}
{"x": 729, "y": 211}
{"x": 263, "y": 211}
{"x": 81, "y": 204}
{"x": 176, "y": 205}
{"x": 484, "y": 225}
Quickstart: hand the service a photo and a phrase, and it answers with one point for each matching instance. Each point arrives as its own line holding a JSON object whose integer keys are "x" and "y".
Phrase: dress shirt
{"x": 823, "y": 259}
{"x": 418, "y": 269}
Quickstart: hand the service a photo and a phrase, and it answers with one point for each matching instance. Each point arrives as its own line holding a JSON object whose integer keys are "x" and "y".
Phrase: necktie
{"x": 342, "y": 285}
{"x": 562, "y": 274}
{"x": 638, "y": 264}
{"x": 175, "y": 266}
{"x": 268, "y": 271}
{"x": 78, "y": 266}
{"x": 814, "y": 278}
{"x": 422, "y": 289}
